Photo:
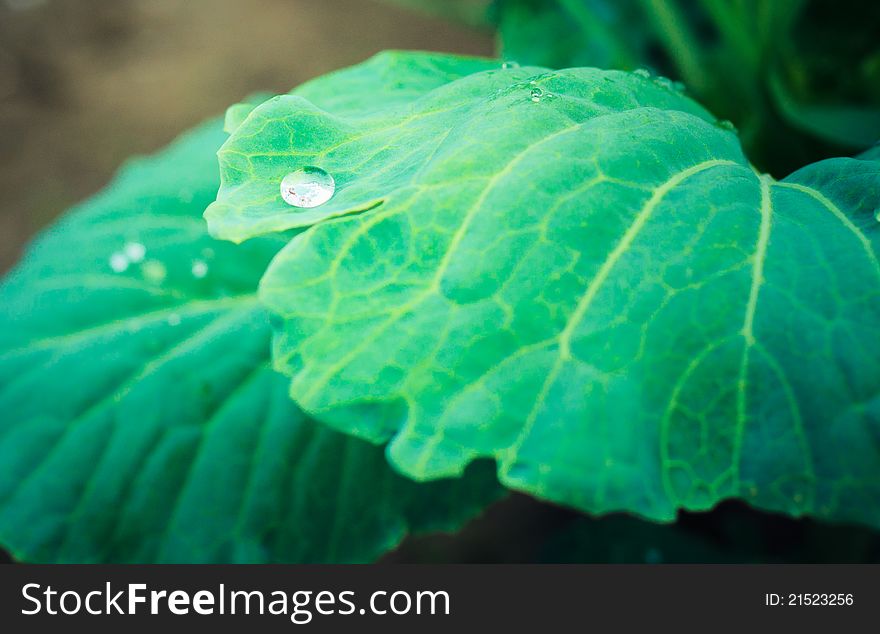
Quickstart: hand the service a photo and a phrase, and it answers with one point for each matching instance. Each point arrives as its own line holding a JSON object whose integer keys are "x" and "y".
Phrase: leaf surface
{"x": 593, "y": 287}
{"x": 141, "y": 420}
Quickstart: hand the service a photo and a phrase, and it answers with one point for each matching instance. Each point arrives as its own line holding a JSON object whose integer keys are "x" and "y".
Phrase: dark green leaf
{"x": 140, "y": 418}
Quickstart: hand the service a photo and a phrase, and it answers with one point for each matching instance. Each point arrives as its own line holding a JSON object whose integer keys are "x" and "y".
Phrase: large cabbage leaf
{"x": 140, "y": 419}
{"x": 578, "y": 274}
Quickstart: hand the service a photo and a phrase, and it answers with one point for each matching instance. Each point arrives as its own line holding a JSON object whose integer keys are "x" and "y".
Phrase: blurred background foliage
{"x": 799, "y": 78}
{"x": 84, "y": 84}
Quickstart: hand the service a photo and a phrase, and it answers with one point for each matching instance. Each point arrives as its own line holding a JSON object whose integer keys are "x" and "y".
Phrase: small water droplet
{"x": 537, "y": 94}
{"x": 307, "y": 187}
{"x": 663, "y": 82}
{"x": 154, "y": 271}
{"x": 174, "y": 319}
{"x": 135, "y": 252}
{"x": 509, "y": 65}
{"x": 642, "y": 72}
{"x": 725, "y": 124}
{"x": 118, "y": 262}
{"x": 199, "y": 269}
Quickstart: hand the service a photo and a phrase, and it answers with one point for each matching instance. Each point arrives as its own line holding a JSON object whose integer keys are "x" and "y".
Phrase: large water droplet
{"x": 119, "y": 262}
{"x": 509, "y": 65}
{"x": 135, "y": 251}
{"x": 537, "y": 94}
{"x": 307, "y": 187}
{"x": 199, "y": 269}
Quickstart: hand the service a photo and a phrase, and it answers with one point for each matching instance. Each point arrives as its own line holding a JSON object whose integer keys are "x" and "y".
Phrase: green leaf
{"x": 593, "y": 288}
{"x": 382, "y": 119}
{"x": 141, "y": 420}
{"x": 252, "y": 168}
{"x": 799, "y": 78}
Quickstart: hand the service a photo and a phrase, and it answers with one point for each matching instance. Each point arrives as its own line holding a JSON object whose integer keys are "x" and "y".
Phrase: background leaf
{"x": 578, "y": 274}
{"x": 799, "y": 78}
{"x": 140, "y": 418}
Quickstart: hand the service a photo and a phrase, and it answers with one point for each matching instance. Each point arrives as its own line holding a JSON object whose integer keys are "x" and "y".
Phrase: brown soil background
{"x": 85, "y": 84}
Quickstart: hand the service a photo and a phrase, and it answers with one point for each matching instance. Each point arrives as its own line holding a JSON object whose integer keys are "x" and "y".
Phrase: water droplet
{"x": 724, "y": 124}
{"x": 199, "y": 269}
{"x": 663, "y": 82}
{"x": 118, "y": 262}
{"x": 509, "y": 65}
{"x": 135, "y": 251}
{"x": 154, "y": 271}
{"x": 537, "y": 94}
{"x": 173, "y": 319}
{"x": 642, "y": 72}
{"x": 307, "y": 187}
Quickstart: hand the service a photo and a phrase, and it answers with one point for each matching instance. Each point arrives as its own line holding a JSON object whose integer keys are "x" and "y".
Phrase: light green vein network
{"x": 578, "y": 274}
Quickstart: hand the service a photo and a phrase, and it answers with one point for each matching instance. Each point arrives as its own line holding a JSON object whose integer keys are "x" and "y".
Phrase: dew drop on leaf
{"x": 642, "y": 72}
{"x": 154, "y": 271}
{"x": 119, "y": 262}
{"x": 664, "y": 82}
{"x": 307, "y": 187}
{"x": 509, "y": 65}
{"x": 135, "y": 252}
{"x": 173, "y": 319}
{"x": 199, "y": 269}
{"x": 537, "y": 94}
